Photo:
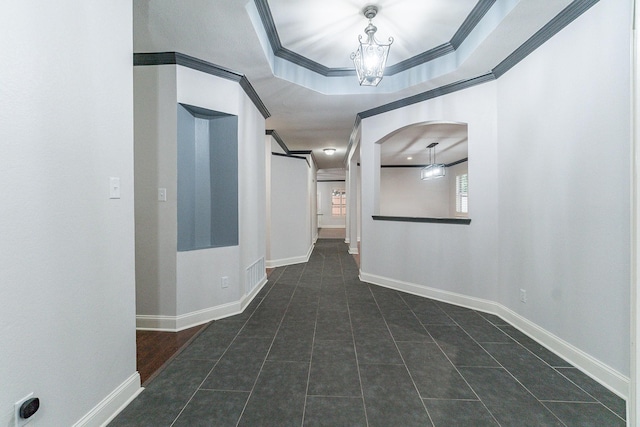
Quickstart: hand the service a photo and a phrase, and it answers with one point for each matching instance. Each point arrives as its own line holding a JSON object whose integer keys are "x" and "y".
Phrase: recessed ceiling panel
{"x": 327, "y": 32}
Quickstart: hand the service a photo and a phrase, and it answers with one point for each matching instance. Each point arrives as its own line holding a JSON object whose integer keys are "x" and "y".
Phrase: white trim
{"x": 633, "y": 408}
{"x": 105, "y": 411}
{"x": 289, "y": 261}
{"x": 354, "y": 251}
{"x": 604, "y": 374}
{"x": 333, "y": 226}
{"x": 246, "y": 300}
{"x": 195, "y": 318}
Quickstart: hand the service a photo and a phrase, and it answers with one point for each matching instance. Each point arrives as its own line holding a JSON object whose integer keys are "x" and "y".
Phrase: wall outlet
{"x": 224, "y": 282}
{"x": 523, "y": 295}
{"x": 19, "y": 422}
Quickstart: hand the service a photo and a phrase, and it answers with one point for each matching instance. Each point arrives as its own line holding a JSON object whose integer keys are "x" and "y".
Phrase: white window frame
{"x": 338, "y": 202}
{"x": 462, "y": 197}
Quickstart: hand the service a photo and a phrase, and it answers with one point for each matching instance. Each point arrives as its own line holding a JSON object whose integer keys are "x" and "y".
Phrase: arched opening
{"x": 406, "y": 152}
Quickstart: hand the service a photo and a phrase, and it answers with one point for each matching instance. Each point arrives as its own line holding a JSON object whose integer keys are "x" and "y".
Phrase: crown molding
{"x": 476, "y": 14}
{"x": 177, "y": 58}
{"x": 561, "y": 20}
{"x": 564, "y": 18}
{"x": 430, "y": 94}
{"x": 474, "y": 17}
{"x": 274, "y": 135}
{"x": 288, "y": 153}
{"x": 448, "y": 165}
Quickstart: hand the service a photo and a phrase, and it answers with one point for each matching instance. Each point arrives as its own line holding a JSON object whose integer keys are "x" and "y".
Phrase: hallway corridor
{"x": 317, "y": 347}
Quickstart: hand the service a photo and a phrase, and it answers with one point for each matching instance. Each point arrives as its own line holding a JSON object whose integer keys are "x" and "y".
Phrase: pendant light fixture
{"x": 371, "y": 57}
{"x": 433, "y": 169}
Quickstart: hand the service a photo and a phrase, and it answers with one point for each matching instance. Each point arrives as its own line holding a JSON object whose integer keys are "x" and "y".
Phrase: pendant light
{"x": 433, "y": 170}
{"x": 371, "y": 57}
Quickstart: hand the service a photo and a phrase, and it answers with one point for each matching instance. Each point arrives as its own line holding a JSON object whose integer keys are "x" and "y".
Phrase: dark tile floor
{"x": 317, "y": 347}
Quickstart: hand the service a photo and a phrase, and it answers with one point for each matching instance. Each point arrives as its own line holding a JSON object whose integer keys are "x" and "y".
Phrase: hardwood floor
{"x": 155, "y": 349}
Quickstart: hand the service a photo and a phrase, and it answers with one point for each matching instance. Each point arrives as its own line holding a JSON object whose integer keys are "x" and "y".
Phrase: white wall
{"x": 67, "y": 250}
{"x": 213, "y": 93}
{"x": 326, "y": 219}
{"x": 269, "y": 143}
{"x": 155, "y": 111}
{"x": 564, "y": 127}
{"x": 560, "y": 231}
{"x": 176, "y": 290}
{"x": 403, "y": 193}
{"x": 428, "y": 254}
{"x": 313, "y": 198}
{"x": 291, "y": 235}
{"x": 252, "y": 194}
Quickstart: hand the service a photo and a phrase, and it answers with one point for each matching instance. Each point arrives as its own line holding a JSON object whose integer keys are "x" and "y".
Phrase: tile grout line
{"x": 586, "y": 392}
{"x": 447, "y": 357}
{"x": 500, "y": 365}
{"x": 468, "y": 326}
{"x": 217, "y": 361}
{"x": 266, "y": 356}
{"x": 313, "y": 342}
{"x": 404, "y": 363}
{"x": 355, "y": 351}
{"x": 555, "y": 369}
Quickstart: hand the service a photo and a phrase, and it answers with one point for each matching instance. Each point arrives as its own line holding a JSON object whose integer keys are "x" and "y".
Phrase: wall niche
{"x": 207, "y": 194}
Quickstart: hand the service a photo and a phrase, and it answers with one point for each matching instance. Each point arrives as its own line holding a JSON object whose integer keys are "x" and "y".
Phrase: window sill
{"x": 465, "y": 221}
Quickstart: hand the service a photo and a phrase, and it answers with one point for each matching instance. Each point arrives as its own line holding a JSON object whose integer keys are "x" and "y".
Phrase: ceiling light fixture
{"x": 432, "y": 170}
{"x": 329, "y": 151}
{"x": 371, "y": 56}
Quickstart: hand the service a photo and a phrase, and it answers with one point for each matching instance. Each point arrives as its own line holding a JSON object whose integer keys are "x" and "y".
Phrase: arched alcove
{"x": 405, "y": 152}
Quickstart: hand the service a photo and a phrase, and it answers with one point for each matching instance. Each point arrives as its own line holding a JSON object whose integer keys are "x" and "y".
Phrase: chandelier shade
{"x": 433, "y": 170}
{"x": 370, "y": 59}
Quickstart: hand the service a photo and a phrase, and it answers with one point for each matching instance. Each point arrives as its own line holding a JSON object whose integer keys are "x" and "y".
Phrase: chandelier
{"x": 432, "y": 170}
{"x": 371, "y": 56}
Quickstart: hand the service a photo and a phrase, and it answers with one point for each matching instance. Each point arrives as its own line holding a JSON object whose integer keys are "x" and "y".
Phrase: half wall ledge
{"x": 465, "y": 221}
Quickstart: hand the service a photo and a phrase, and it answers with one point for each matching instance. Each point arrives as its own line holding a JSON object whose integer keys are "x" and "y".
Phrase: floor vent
{"x": 255, "y": 274}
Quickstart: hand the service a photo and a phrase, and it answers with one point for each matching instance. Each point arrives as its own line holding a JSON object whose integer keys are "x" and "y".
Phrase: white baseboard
{"x": 195, "y": 318}
{"x": 113, "y": 404}
{"x": 332, "y": 226}
{"x": 354, "y": 251}
{"x": 244, "y": 302}
{"x": 186, "y": 321}
{"x": 290, "y": 261}
{"x": 602, "y": 373}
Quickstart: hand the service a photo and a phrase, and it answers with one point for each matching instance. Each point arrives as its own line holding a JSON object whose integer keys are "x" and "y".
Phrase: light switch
{"x": 162, "y": 194}
{"x": 114, "y": 187}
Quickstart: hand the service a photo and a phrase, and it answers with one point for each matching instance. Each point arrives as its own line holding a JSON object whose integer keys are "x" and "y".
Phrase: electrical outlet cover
{"x": 523, "y": 295}
{"x": 19, "y": 422}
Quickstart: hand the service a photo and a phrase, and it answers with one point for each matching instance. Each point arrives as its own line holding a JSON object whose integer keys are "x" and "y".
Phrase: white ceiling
{"x": 319, "y": 30}
{"x": 412, "y": 141}
{"x": 310, "y": 111}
